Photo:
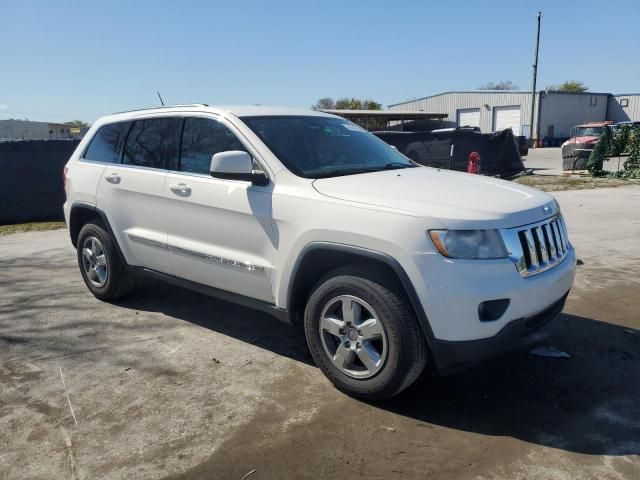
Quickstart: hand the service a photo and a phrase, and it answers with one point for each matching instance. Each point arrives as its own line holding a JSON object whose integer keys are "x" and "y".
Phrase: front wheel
{"x": 363, "y": 335}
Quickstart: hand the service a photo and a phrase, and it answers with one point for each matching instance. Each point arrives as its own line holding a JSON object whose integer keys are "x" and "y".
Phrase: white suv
{"x": 388, "y": 265}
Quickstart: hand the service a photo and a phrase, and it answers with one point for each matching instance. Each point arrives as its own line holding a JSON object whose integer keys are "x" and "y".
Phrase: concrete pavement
{"x": 172, "y": 384}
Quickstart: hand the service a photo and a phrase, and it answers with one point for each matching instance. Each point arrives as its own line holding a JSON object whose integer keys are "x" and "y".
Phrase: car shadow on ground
{"x": 250, "y": 326}
{"x": 587, "y": 403}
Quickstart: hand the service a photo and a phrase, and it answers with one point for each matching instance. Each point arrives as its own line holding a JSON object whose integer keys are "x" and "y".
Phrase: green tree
{"x": 77, "y": 123}
{"x": 600, "y": 152}
{"x": 357, "y": 104}
{"x": 504, "y": 85}
{"x": 569, "y": 86}
{"x": 325, "y": 103}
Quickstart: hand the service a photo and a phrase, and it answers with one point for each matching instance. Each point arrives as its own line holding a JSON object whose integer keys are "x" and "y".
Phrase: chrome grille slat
{"x": 548, "y": 238}
{"x": 544, "y": 255}
{"x": 565, "y": 235}
{"x": 561, "y": 233}
{"x": 556, "y": 237}
{"x": 537, "y": 247}
{"x": 533, "y": 253}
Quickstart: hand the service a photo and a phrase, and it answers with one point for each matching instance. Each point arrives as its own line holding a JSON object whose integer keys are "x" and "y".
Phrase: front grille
{"x": 537, "y": 247}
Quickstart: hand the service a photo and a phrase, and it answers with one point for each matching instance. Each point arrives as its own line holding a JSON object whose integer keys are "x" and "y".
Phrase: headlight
{"x": 469, "y": 244}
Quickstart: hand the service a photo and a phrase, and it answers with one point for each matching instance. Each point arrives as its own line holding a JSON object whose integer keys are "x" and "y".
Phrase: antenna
{"x": 160, "y": 97}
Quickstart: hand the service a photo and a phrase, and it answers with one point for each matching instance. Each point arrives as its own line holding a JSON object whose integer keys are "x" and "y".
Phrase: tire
{"x": 103, "y": 270}
{"x": 572, "y": 161}
{"x": 395, "y": 337}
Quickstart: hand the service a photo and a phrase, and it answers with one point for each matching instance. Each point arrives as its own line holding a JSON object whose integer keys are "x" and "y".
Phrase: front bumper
{"x": 451, "y": 291}
{"x": 453, "y": 356}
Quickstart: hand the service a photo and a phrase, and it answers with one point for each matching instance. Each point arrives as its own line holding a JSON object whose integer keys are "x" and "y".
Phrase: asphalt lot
{"x": 172, "y": 384}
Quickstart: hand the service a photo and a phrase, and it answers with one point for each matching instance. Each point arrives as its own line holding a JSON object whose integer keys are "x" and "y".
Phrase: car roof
{"x": 237, "y": 110}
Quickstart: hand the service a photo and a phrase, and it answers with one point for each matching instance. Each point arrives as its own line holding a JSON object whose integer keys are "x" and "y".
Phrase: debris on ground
{"x": 248, "y": 474}
{"x": 549, "y": 352}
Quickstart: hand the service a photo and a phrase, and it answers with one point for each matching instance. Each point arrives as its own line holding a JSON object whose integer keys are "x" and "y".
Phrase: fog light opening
{"x": 492, "y": 310}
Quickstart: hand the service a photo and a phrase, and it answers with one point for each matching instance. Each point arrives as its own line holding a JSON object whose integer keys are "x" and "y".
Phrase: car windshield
{"x": 320, "y": 147}
{"x": 587, "y": 132}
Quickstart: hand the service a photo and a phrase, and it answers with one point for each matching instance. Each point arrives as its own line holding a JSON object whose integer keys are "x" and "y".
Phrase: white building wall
{"x": 23, "y": 130}
{"x": 561, "y": 111}
{"x": 624, "y": 107}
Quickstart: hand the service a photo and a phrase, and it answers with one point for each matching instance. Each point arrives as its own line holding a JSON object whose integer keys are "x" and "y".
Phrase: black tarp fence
{"x": 499, "y": 151}
{"x": 31, "y": 184}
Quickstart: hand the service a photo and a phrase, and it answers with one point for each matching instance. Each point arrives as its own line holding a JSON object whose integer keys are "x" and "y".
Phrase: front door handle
{"x": 181, "y": 189}
{"x": 113, "y": 178}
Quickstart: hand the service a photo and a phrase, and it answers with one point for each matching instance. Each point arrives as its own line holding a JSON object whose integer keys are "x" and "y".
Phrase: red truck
{"x": 576, "y": 150}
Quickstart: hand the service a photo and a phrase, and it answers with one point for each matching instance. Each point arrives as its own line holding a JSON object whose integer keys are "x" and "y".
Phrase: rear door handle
{"x": 181, "y": 189}
{"x": 113, "y": 178}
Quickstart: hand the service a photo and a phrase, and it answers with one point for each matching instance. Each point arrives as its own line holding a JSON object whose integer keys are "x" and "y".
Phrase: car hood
{"x": 579, "y": 140}
{"x": 458, "y": 200}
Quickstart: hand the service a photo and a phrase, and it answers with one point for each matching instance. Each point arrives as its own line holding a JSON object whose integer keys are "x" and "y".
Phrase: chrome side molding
{"x": 206, "y": 257}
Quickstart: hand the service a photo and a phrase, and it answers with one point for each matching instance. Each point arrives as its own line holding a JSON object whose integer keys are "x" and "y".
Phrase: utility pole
{"x": 533, "y": 87}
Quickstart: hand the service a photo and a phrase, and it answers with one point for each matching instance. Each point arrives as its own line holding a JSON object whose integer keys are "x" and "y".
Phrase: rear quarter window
{"x": 105, "y": 144}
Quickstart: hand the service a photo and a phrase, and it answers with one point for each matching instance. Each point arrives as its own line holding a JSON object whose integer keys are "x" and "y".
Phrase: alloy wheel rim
{"x": 353, "y": 337}
{"x": 94, "y": 262}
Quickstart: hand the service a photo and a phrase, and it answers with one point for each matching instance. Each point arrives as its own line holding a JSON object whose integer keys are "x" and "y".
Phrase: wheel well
{"x": 316, "y": 264}
{"x": 78, "y": 218}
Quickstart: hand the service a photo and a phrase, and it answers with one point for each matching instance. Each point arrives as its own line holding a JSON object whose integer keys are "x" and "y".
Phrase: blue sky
{"x": 62, "y": 60}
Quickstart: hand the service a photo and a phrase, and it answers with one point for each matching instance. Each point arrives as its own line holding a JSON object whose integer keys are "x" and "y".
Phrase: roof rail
{"x": 164, "y": 106}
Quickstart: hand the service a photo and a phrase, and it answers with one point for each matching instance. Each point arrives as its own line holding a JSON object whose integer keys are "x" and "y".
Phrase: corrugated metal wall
{"x": 620, "y": 110}
{"x": 562, "y": 111}
{"x": 451, "y": 102}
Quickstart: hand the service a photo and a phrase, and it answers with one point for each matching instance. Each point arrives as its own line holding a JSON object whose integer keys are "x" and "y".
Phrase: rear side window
{"x": 202, "y": 138}
{"x": 105, "y": 144}
{"x": 153, "y": 142}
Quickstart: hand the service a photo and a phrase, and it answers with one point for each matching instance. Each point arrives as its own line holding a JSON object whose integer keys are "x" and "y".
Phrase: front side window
{"x": 105, "y": 144}
{"x": 317, "y": 147}
{"x": 202, "y": 138}
{"x": 153, "y": 142}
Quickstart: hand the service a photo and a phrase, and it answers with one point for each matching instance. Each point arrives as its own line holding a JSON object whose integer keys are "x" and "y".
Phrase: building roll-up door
{"x": 469, "y": 117}
{"x": 507, "y": 117}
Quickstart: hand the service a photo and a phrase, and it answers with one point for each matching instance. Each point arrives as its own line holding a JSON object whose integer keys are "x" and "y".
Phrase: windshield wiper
{"x": 337, "y": 172}
{"x": 394, "y": 165}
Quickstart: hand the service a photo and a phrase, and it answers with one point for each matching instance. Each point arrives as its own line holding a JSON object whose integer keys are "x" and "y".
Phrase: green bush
{"x": 625, "y": 141}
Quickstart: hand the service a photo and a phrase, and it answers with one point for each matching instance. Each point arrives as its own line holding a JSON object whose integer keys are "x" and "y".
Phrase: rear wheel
{"x": 102, "y": 269}
{"x": 363, "y": 335}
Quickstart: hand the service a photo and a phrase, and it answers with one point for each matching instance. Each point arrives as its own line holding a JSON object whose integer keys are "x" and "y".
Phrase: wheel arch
{"x": 81, "y": 213}
{"x": 319, "y": 258}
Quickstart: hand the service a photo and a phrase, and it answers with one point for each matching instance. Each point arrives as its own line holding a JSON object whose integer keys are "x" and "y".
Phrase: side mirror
{"x": 236, "y": 165}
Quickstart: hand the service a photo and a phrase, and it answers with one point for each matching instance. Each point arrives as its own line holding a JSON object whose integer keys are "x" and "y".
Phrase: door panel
{"x": 219, "y": 231}
{"x": 132, "y": 193}
{"x": 220, "y": 234}
{"x": 133, "y": 199}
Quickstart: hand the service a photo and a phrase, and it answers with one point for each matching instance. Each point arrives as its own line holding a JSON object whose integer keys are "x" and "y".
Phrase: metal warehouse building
{"x": 555, "y": 112}
{"x": 624, "y": 107}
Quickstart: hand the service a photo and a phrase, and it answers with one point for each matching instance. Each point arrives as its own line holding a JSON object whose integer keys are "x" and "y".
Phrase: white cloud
{"x": 3, "y": 106}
